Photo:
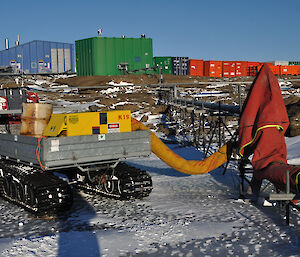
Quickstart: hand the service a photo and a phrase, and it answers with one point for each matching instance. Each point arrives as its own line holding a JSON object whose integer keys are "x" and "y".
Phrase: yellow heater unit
{"x": 88, "y": 123}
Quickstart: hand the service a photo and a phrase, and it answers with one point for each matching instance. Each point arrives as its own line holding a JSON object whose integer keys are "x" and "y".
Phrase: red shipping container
{"x": 241, "y": 69}
{"x": 269, "y": 63}
{"x": 275, "y": 69}
{"x": 213, "y": 68}
{"x": 252, "y": 68}
{"x": 295, "y": 69}
{"x": 261, "y": 64}
{"x": 289, "y": 70}
{"x": 228, "y": 69}
{"x": 252, "y": 64}
{"x": 196, "y": 67}
{"x": 284, "y": 70}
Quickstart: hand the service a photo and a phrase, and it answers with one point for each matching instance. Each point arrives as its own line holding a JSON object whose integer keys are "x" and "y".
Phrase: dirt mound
{"x": 291, "y": 100}
{"x": 91, "y": 81}
{"x": 296, "y": 84}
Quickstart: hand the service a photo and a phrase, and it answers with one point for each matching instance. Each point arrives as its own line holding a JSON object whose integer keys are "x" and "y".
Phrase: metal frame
{"x": 210, "y": 119}
{"x": 285, "y": 197}
{"x": 205, "y": 122}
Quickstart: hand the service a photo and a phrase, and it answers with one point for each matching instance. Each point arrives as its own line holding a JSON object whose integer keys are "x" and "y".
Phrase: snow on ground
{"x": 39, "y": 88}
{"x": 293, "y": 150}
{"x": 110, "y": 90}
{"x": 122, "y": 83}
{"x": 217, "y": 85}
{"x": 183, "y": 216}
{"x": 285, "y": 85}
{"x": 210, "y": 93}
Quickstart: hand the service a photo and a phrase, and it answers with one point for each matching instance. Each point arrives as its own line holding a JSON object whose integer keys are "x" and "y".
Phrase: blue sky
{"x": 256, "y": 30}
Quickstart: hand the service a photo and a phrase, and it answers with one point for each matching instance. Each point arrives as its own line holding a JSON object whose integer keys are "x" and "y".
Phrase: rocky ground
{"x": 132, "y": 92}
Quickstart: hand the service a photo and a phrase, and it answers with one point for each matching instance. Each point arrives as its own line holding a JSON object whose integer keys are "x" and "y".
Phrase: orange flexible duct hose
{"x": 178, "y": 163}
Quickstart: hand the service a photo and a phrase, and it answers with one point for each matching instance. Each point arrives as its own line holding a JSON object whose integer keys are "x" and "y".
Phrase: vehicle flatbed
{"x": 64, "y": 152}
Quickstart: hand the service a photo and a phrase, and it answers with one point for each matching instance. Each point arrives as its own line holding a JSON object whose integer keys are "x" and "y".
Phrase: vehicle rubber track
{"x": 33, "y": 189}
{"x": 126, "y": 182}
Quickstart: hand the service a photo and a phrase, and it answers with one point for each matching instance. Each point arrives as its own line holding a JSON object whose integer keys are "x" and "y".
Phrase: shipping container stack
{"x": 289, "y": 70}
{"x": 165, "y": 62}
{"x": 180, "y": 65}
{"x": 196, "y": 67}
{"x": 278, "y": 69}
{"x": 106, "y": 56}
{"x": 241, "y": 69}
{"x": 284, "y": 70}
{"x": 252, "y": 68}
{"x": 213, "y": 69}
{"x": 275, "y": 69}
{"x": 228, "y": 69}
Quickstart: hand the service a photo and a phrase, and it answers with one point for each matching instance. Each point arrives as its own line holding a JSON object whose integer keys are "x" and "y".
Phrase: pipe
{"x": 192, "y": 167}
{"x": 234, "y": 109}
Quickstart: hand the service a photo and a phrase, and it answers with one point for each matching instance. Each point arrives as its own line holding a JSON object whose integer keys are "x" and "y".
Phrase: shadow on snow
{"x": 76, "y": 237}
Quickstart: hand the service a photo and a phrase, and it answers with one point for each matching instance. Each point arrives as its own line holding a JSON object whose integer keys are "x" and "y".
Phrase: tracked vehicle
{"x": 87, "y": 148}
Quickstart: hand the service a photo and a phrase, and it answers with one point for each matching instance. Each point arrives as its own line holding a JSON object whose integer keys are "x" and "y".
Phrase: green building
{"x": 103, "y": 56}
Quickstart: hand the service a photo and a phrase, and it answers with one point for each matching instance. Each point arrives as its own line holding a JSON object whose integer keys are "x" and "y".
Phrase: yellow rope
{"x": 297, "y": 183}
{"x": 263, "y": 127}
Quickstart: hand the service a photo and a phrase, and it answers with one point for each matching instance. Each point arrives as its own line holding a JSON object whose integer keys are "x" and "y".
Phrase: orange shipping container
{"x": 289, "y": 70}
{"x": 213, "y": 68}
{"x": 269, "y": 63}
{"x": 252, "y": 64}
{"x": 196, "y": 67}
{"x": 275, "y": 69}
{"x": 262, "y": 63}
{"x": 241, "y": 69}
{"x": 284, "y": 70}
{"x": 228, "y": 69}
{"x": 259, "y": 67}
{"x": 252, "y": 68}
{"x": 297, "y": 69}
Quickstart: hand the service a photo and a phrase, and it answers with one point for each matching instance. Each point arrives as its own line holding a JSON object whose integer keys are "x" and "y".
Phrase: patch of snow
{"x": 210, "y": 94}
{"x": 285, "y": 85}
{"x": 217, "y": 85}
{"x": 40, "y": 81}
{"x": 110, "y": 90}
{"x": 39, "y": 88}
{"x": 293, "y": 150}
{"x": 122, "y": 83}
{"x": 154, "y": 118}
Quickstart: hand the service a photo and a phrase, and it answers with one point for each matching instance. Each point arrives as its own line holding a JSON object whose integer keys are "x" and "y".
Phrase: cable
{"x": 38, "y": 152}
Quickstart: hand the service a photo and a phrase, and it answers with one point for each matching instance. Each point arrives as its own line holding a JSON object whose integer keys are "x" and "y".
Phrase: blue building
{"x": 40, "y": 57}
